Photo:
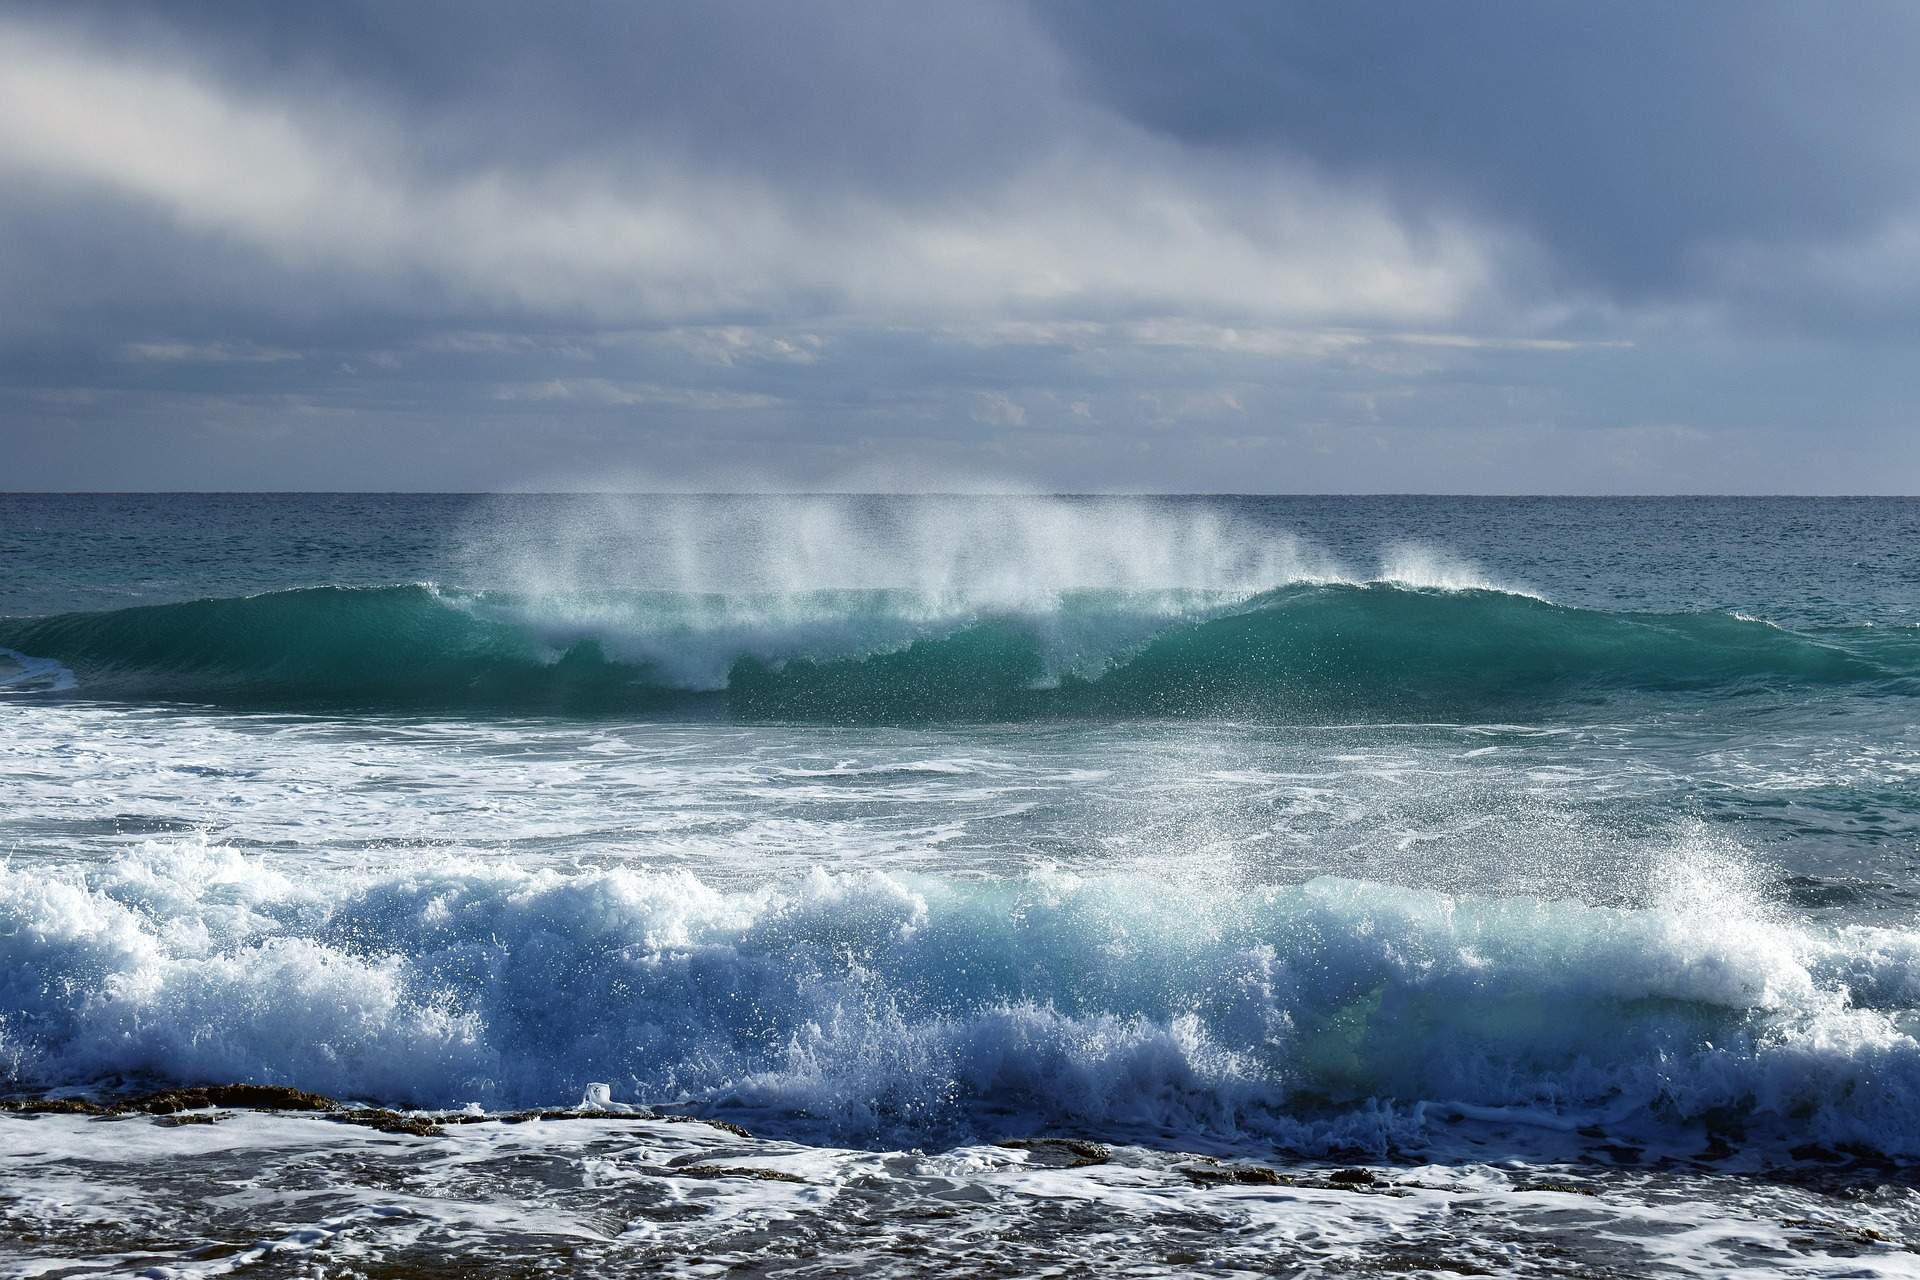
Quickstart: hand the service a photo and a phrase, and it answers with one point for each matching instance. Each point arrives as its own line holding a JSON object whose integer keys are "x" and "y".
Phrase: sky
{"x": 1082, "y": 245}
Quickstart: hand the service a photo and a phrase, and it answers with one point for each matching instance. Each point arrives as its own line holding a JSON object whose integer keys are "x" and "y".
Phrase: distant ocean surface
{"x": 1352, "y": 886}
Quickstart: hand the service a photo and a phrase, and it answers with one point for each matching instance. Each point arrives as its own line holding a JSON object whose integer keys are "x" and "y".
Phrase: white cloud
{"x": 469, "y": 342}
{"x": 1478, "y": 342}
{"x": 1167, "y": 408}
{"x": 997, "y": 409}
{"x": 206, "y": 353}
{"x": 606, "y": 392}
{"x": 730, "y": 344}
{"x": 1286, "y": 343}
{"x": 1115, "y": 218}
{"x": 1277, "y": 342}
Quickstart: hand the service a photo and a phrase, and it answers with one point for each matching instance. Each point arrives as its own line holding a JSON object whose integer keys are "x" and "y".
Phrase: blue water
{"x": 878, "y": 821}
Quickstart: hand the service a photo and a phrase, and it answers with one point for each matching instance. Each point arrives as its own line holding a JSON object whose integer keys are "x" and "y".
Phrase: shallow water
{"x": 1554, "y": 860}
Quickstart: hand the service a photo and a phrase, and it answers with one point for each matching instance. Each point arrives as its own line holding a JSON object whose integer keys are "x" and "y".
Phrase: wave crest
{"x": 1308, "y": 651}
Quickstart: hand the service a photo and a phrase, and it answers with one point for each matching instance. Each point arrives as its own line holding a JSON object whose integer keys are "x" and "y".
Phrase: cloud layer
{"x": 1113, "y": 246}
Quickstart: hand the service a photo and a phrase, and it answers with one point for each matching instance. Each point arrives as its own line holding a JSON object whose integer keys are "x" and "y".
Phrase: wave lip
{"x": 1309, "y": 650}
{"x": 879, "y": 1009}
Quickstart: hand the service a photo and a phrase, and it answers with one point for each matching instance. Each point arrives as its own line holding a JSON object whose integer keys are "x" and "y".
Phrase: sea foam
{"x": 876, "y": 1008}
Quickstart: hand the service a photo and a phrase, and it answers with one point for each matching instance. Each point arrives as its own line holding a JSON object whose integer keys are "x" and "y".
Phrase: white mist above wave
{"x": 868, "y": 1006}
{"x": 976, "y": 552}
{"x": 688, "y": 584}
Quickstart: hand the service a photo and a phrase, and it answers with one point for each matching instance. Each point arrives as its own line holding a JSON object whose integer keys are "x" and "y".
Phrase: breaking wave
{"x": 875, "y": 1008}
{"x": 1311, "y": 649}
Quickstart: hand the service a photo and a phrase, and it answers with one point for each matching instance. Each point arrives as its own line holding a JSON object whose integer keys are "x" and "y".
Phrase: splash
{"x": 882, "y": 1008}
{"x": 1417, "y": 565}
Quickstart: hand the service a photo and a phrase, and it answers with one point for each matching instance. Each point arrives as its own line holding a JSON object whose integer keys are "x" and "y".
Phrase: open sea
{"x": 814, "y": 886}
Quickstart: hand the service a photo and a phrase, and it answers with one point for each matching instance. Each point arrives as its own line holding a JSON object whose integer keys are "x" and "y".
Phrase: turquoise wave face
{"x": 400, "y": 647}
{"x": 1307, "y": 652}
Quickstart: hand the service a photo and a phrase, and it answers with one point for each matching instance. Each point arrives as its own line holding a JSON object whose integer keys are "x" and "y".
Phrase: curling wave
{"x": 879, "y": 1009}
{"x": 1364, "y": 650}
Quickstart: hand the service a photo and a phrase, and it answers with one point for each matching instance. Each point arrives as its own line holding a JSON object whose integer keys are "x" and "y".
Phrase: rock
{"x": 1550, "y": 1184}
{"x": 176, "y": 1104}
{"x": 723, "y": 1126}
{"x": 185, "y": 1106}
{"x": 389, "y": 1121}
{"x": 1246, "y": 1175}
{"x": 734, "y": 1171}
{"x": 1060, "y": 1153}
{"x": 1846, "y": 1231}
{"x": 263, "y": 1097}
{"x": 53, "y": 1107}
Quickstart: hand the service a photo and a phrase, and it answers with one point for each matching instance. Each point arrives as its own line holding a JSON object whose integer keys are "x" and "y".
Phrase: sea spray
{"x": 889, "y": 1008}
{"x": 963, "y": 555}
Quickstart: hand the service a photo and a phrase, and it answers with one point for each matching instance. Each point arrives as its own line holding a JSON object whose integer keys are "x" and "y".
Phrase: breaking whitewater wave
{"x": 1312, "y": 650}
{"x": 882, "y": 1009}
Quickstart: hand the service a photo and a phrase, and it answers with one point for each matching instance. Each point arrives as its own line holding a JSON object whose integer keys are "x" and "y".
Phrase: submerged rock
{"x": 178, "y": 1106}
{"x": 1060, "y": 1153}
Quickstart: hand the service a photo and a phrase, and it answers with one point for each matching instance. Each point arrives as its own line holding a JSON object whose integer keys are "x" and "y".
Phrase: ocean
{"x": 813, "y": 885}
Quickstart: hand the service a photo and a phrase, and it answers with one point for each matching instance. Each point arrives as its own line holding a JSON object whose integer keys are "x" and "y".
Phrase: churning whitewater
{"x": 1183, "y": 878}
{"x": 871, "y": 1008}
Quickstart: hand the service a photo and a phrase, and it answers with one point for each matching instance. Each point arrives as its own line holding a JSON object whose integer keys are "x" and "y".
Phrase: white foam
{"x": 25, "y": 672}
{"x": 883, "y": 1004}
{"x": 1429, "y": 568}
{"x": 616, "y": 1195}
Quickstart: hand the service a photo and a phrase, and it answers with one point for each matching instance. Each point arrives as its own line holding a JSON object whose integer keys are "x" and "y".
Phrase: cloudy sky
{"x": 1088, "y": 245}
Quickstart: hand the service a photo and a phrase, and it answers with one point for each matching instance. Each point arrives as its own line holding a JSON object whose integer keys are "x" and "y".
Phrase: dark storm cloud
{"x": 1629, "y": 137}
{"x": 1122, "y": 245}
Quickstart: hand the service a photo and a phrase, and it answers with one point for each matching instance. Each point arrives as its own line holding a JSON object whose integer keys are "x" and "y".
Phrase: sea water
{"x": 1300, "y": 886}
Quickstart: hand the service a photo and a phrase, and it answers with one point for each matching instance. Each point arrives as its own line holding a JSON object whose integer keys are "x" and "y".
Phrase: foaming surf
{"x": 26, "y": 673}
{"x": 898, "y": 1010}
{"x": 1043, "y": 883}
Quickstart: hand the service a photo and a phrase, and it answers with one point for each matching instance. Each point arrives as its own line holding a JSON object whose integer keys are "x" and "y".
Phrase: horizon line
{"x": 928, "y": 493}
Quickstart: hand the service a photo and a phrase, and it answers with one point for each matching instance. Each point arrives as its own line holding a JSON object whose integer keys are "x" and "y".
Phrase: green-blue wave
{"x": 1373, "y": 651}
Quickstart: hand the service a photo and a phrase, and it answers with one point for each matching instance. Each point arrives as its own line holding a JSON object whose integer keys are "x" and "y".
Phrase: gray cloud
{"x": 1631, "y": 139}
{"x": 1114, "y": 245}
